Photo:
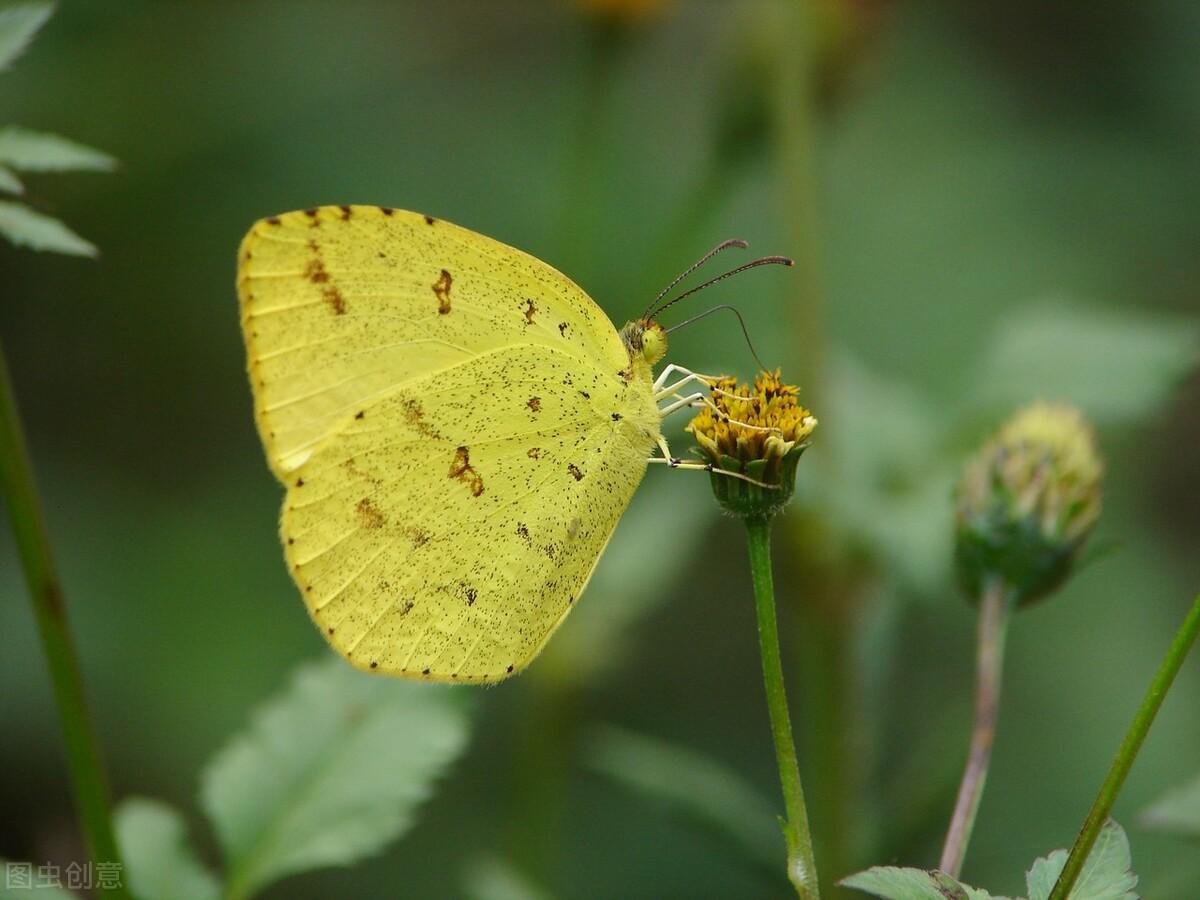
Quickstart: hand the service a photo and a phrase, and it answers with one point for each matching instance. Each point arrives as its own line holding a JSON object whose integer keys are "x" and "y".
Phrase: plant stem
{"x": 1128, "y": 751}
{"x": 995, "y": 610}
{"x": 802, "y": 867}
{"x": 88, "y": 781}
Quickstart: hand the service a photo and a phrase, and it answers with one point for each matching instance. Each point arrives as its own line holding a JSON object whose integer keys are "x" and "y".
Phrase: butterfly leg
{"x": 696, "y": 465}
{"x": 673, "y": 369}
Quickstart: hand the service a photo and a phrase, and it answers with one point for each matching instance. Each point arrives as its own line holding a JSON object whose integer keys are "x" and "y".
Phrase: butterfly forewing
{"x": 343, "y": 304}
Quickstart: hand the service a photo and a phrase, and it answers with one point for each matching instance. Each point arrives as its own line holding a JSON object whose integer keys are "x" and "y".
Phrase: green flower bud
{"x": 758, "y": 432}
{"x": 1027, "y": 502}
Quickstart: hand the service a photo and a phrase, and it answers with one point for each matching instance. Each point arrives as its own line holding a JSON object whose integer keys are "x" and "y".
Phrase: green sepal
{"x": 1016, "y": 551}
{"x": 745, "y": 500}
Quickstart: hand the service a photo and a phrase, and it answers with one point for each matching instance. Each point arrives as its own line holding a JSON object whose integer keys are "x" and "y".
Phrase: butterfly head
{"x": 645, "y": 340}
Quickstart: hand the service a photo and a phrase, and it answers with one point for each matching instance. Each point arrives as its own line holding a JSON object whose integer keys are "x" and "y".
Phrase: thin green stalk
{"x": 88, "y": 781}
{"x": 995, "y": 612}
{"x": 802, "y": 867}
{"x": 1115, "y": 779}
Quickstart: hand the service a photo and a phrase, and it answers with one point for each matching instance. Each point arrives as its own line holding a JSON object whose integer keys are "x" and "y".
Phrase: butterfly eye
{"x": 654, "y": 343}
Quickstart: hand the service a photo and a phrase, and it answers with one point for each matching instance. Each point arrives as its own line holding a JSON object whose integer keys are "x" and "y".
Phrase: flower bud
{"x": 1027, "y": 502}
{"x": 758, "y": 432}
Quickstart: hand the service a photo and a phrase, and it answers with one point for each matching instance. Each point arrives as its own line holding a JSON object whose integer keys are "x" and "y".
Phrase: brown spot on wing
{"x": 334, "y": 298}
{"x": 523, "y": 531}
{"x": 386, "y": 210}
{"x": 315, "y": 271}
{"x": 472, "y": 596}
{"x": 562, "y": 328}
{"x": 345, "y": 212}
{"x": 574, "y": 470}
{"x": 361, "y": 413}
{"x": 273, "y": 220}
{"x": 415, "y": 416}
{"x": 530, "y": 309}
{"x": 406, "y": 608}
{"x": 534, "y": 452}
{"x": 535, "y": 403}
{"x": 429, "y": 220}
{"x": 418, "y": 536}
{"x": 311, "y": 212}
{"x": 462, "y": 470}
{"x": 369, "y": 515}
{"x": 441, "y": 289}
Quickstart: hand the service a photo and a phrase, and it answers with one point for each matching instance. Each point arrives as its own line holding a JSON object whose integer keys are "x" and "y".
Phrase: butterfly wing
{"x": 453, "y": 477}
{"x": 344, "y": 304}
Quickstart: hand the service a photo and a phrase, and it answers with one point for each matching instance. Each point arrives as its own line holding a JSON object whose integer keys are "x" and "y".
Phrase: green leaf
{"x": 9, "y": 182}
{"x": 690, "y": 783}
{"x": 18, "y": 25}
{"x": 1177, "y": 811}
{"x": 490, "y": 878}
{"x": 1114, "y": 366}
{"x": 894, "y": 883}
{"x": 329, "y": 772}
{"x": 159, "y": 857}
{"x": 27, "y": 228}
{"x": 22, "y": 880}
{"x": 34, "y": 151}
{"x": 1105, "y": 875}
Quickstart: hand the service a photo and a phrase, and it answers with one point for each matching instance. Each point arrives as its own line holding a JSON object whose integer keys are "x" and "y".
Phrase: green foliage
{"x": 1115, "y": 366}
{"x": 9, "y": 182}
{"x": 159, "y": 858}
{"x": 691, "y": 784}
{"x": 1177, "y": 811}
{"x": 31, "y": 151}
{"x": 18, "y": 24}
{"x": 495, "y": 879}
{"x": 328, "y": 773}
{"x": 895, "y": 883}
{"x": 27, "y": 228}
{"x": 1106, "y": 876}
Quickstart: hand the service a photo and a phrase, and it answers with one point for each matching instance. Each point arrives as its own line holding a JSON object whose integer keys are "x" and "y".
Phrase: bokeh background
{"x": 987, "y": 205}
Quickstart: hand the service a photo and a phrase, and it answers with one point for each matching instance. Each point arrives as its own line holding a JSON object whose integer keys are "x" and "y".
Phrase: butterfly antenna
{"x": 741, "y": 321}
{"x": 763, "y": 261}
{"x": 724, "y": 245}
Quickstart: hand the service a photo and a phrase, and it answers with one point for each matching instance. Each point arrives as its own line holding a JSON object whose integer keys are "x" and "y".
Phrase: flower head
{"x": 756, "y": 431}
{"x": 1027, "y": 502}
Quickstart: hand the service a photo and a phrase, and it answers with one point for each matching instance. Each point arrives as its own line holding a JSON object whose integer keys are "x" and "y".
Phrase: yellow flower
{"x": 1028, "y": 500}
{"x": 756, "y": 431}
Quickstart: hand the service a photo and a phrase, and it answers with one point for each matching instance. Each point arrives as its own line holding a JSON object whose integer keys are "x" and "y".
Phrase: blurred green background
{"x": 989, "y": 204}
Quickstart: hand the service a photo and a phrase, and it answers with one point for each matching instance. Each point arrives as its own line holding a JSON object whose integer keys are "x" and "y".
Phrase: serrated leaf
{"x": 328, "y": 772}
{"x": 490, "y": 878}
{"x": 1177, "y": 811}
{"x": 692, "y": 784}
{"x": 159, "y": 858}
{"x": 1114, "y": 366}
{"x": 27, "y": 228}
{"x": 35, "y": 151}
{"x": 9, "y": 182}
{"x": 18, "y": 25}
{"x": 896, "y": 883}
{"x": 1105, "y": 876}
{"x": 21, "y": 880}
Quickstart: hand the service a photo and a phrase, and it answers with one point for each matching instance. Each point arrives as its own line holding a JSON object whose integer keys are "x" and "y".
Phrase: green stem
{"x": 1115, "y": 779}
{"x": 802, "y": 867}
{"x": 86, "y": 770}
{"x": 995, "y": 612}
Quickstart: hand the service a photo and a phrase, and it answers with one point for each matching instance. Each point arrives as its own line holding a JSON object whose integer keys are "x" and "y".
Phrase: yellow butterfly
{"x": 459, "y": 428}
